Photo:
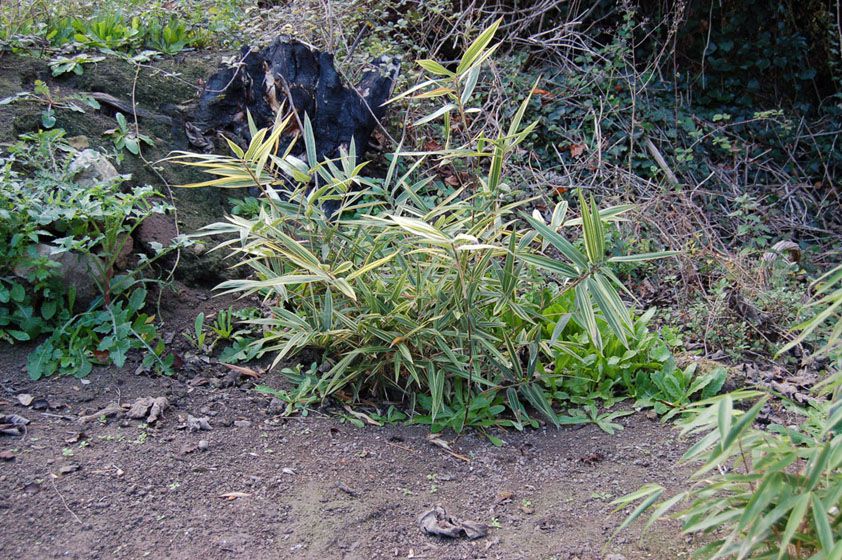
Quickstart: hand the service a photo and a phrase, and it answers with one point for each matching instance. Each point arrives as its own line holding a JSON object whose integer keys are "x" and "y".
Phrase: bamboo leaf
{"x": 820, "y": 518}
{"x": 724, "y": 415}
{"x": 434, "y": 67}
{"x": 585, "y": 313}
{"x": 435, "y": 114}
{"x": 796, "y": 517}
{"x": 474, "y": 51}
{"x": 559, "y": 242}
{"x": 641, "y": 257}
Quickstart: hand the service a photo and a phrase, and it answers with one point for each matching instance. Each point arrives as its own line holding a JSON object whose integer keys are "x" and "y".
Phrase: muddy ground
{"x": 304, "y": 487}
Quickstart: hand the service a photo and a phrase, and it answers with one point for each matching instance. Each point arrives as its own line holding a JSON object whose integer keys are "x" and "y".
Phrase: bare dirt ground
{"x": 302, "y": 487}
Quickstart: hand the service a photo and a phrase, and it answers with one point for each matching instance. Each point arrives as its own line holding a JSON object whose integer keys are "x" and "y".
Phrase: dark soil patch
{"x": 147, "y": 491}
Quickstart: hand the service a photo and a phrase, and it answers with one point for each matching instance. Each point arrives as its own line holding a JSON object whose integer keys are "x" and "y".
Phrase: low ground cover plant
{"x": 125, "y": 27}
{"x": 52, "y": 225}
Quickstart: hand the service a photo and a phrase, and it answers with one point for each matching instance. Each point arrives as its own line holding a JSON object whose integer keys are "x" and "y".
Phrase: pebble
{"x": 69, "y": 468}
{"x": 203, "y": 445}
{"x": 242, "y": 423}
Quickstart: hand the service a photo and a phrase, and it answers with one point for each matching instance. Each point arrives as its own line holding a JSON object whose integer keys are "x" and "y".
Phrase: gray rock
{"x": 90, "y": 167}
{"x": 76, "y": 270}
{"x": 197, "y": 424}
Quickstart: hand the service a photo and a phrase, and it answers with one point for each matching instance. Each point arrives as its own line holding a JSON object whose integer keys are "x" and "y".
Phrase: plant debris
{"x": 440, "y": 523}
{"x": 347, "y": 489}
{"x": 234, "y": 495}
{"x": 150, "y": 408}
{"x": 436, "y": 439}
{"x": 112, "y": 409}
{"x": 12, "y": 425}
{"x": 69, "y": 468}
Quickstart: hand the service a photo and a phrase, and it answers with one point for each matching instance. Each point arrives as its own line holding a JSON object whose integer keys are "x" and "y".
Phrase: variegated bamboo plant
{"x": 438, "y": 300}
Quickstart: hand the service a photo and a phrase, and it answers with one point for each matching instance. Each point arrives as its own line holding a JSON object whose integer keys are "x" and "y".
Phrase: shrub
{"x": 438, "y": 299}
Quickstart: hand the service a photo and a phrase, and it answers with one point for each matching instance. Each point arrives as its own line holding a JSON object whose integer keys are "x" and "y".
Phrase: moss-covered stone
{"x": 168, "y": 88}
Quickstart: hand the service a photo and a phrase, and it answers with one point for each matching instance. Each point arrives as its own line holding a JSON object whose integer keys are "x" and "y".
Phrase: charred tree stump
{"x": 291, "y": 73}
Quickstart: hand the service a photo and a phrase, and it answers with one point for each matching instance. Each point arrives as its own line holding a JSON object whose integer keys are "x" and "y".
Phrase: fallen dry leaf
{"x": 362, "y": 416}
{"x": 505, "y": 496}
{"x": 75, "y": 437}
{"x": 69, "y": 468}
{"x": 12, "y": 424}
{"x": 198, "y": 424}
{"x": 111, "y": 410}
{"x": 451, "y": 181}
{"x": 150, "y": 408}
{"x": 244, "y": 371}
{"x": 438, "y": 522}
{"x": 102, "y": 357}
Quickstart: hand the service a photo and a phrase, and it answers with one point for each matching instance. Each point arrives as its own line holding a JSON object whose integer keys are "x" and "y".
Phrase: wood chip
{"x": 435, "y": 439}
{"x": 244, "y": 371}
{"x": 230, "y": 496}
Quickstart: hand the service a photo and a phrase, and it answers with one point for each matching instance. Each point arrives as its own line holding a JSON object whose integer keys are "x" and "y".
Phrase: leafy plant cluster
{"x": 51, "y": 224}
{"x": 765, "y": 493}
{"x": 232, "y": 335}
{"x": 465, "y": 305}
{"x": 106, "y": 26}
{"x": 771, "y": 493}
{"x": 43, "y": 96}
